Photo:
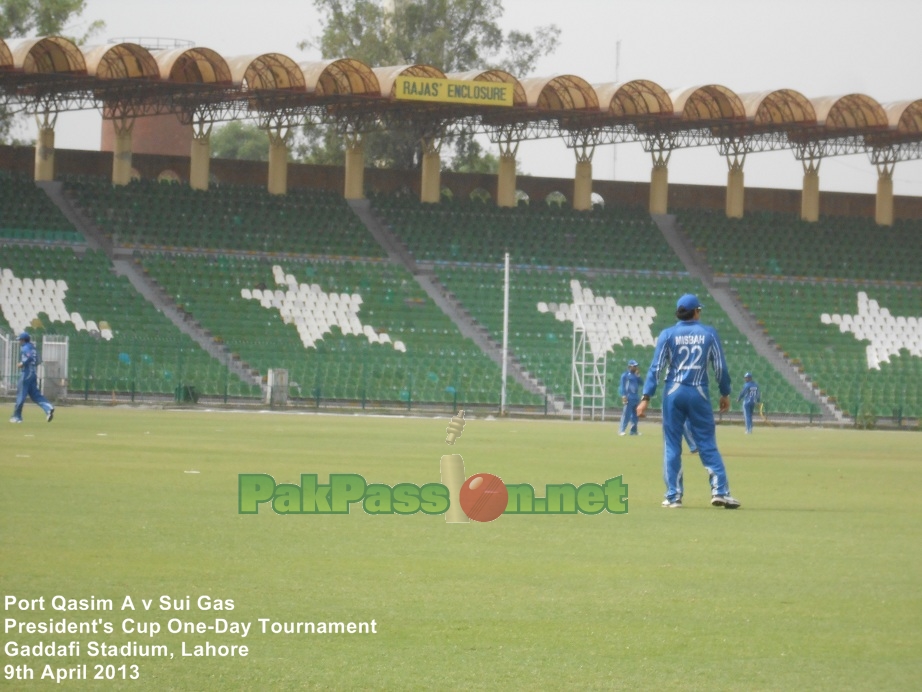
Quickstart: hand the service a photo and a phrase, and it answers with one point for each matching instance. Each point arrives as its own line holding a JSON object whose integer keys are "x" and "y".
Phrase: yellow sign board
{"x": 453, "y": 91}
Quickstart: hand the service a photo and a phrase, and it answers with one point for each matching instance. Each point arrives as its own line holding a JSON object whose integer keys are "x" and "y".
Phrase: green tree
{"x": 453, "y": 35}
{"x": 471, "y": 158}
{"x": 40, "y": 18}
{"x": 43, "y": 18}
{"x": 240, "y": 140}
{"x": 319, "y": 145}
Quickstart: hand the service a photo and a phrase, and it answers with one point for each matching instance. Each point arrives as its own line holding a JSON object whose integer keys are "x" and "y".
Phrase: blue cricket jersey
{"x": 630, "y": 387}
{"x": 28, "y": 356}
{"x": 750, "y": 393}
{"x": 684, "y": 352}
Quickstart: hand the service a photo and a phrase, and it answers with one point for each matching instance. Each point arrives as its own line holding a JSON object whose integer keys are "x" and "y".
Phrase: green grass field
{"x": 813, "y": 584}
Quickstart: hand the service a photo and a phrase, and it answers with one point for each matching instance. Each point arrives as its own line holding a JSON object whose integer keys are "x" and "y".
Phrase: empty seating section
{"x": 792, "y": 275}
{"x": 861, "y": 343}
{"x": 774, "y": 244}
{"x": 535, "y": 235}
{"x": 541, "y": 331}
{"x": 342, "y": 329}
{"x": 147, "y": 214}
{"x": 118, "y": 341}
{"x": 27, "y": 214}
{"x": 297, "y": 282}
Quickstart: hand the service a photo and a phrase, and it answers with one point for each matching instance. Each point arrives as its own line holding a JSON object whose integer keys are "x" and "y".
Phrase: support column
{"x": 431, "y": 183}
{"x": 278, "y": 161}
{"x": 883, "y": 205}
{"x": 44, "y": 146}
{"x": 200, "y": 156}
{"x": 505, "y": 180}
{"x": 810, "y": 197}
{"x": 736, "y": 158}
{"x": 121, "y": 157}
{"x": 735, "y": 192}
{"x": 811, "y": 156}
{"x": 582, "y": 186}
{"x": 659, "y": 183}
{"x": 278, "y": 166}
{"x": 355, "y": 167}
{"x": 583, "y": 144}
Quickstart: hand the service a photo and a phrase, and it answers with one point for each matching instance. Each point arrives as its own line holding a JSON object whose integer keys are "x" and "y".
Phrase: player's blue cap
{"x": 688, "y": 302}
{"x": 748, "y": 375}
{"x": 632, "y": 362}
{"x": 25, "y": 337}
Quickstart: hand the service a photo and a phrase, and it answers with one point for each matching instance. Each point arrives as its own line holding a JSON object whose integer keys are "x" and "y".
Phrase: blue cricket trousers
{"x": 681, "y": 403}
{"x": 28, "y": 386}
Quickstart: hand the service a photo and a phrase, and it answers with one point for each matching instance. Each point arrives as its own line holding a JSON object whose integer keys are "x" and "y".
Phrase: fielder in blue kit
{"x": 684, "y": 352}
{"x": 28, "y": 381}
{"x": 629, "y": 389}
{"x": 750, "y": 396}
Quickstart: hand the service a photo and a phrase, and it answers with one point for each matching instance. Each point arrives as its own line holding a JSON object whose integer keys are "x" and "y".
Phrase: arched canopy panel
{"x": 342, "y": 77}
{"x": 851, "y": 112}
{"x": 268, "y": 71}
{"x": 6, "y": 57}
{"x": 561, "y": 93}
{"x": 193, "y": 66}
{"x": 704, "y": 103}
{"x": 905, "y": 117}
{"x": 779, "y": 107}
{"x": 52, "y": 55}
{"x": 495, "y": 76}
{"x": 121, "y": 61}
{"x": 387, "y": 76}
{"x": 633, "y": 99}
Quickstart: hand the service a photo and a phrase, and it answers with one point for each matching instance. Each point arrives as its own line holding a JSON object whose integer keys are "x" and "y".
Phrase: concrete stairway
{"x": 742, "y": 318}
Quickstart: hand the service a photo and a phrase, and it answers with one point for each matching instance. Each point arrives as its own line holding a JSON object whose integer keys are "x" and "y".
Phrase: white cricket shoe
{"x": 725, "y": 501}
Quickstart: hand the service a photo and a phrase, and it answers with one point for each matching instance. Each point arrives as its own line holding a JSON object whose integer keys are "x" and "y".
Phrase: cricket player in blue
{"x": 684, "y": 352}
{"x": 750, "y": 396}
{"x": 28, "y": 380}
{"x": 629, "y": 389}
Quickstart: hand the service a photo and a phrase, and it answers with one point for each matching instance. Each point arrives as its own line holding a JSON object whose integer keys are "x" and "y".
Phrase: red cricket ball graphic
{"x": 484, "y": 497}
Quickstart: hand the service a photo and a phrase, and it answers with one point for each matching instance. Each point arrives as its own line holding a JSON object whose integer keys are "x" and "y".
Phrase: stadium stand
{"x": 541, "y": 334}
{"x": 146, "y": 214}
{"x": 538, "y": 235}
{"x": 26, "y": 213}
{"x": 774, "y": 244}
{"x": 344, "y": 330}
{"x": 876, "y": 370}
{"x": 297, "y": 282}
{"x": 794, "y": 276}
{"x": 118, "y": 341}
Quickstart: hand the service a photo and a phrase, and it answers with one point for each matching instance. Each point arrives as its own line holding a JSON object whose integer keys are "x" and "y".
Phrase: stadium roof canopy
{"x": 6, "y": 57}
{"x": 121, "y": 61}
{"x": 53, "y": 75}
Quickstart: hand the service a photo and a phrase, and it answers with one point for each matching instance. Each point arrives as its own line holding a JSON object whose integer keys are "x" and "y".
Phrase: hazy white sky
{"x": 817, "y": 47}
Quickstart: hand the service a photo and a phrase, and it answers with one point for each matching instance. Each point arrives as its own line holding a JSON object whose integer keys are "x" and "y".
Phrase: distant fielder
{"x": 751, "y": 397}
{"x": 629, "y": 389}
{"x": 28, "y": 380}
